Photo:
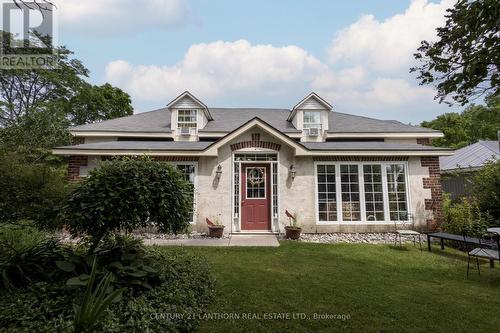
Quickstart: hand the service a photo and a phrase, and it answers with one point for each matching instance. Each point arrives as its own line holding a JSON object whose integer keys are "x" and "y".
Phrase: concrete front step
{"x": 235, "y": 240}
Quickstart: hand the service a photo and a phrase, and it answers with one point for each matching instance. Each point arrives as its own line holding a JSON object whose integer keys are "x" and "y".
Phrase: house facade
{"x": 337, "y": 172}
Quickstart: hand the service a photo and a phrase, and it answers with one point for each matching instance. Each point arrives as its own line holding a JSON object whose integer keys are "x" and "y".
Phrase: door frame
{"x": 236, "y": 218}
{"x": 267, "y": 192}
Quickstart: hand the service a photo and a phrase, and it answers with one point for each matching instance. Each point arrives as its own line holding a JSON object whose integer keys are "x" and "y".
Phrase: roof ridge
{"x": 487, "y": 147}
{"x": 251, "y": 108}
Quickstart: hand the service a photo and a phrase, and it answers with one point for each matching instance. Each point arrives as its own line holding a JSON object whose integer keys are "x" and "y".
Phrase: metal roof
{"x": 471, "y": 157}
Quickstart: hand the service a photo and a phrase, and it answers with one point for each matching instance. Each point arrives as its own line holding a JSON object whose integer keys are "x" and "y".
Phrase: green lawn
{"x": 381, "y": 288}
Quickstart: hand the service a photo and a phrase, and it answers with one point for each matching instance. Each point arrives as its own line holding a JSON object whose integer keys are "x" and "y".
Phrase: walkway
{"x": 234, "y": 240}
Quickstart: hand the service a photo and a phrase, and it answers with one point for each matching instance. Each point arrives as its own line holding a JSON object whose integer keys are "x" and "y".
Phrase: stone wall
{"x": 74, "y": 164}
{"x": 433, "y": 182}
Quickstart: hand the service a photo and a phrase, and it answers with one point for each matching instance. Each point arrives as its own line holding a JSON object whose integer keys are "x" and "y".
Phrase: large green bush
{"x": 30, "y": 191}
{"x": 464, "y": 217}
{"x": 125, "y": 194}
{"x": 486, "y": 190}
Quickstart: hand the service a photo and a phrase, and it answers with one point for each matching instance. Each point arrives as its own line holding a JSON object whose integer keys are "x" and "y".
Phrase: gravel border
{"x": 354, "y": 238}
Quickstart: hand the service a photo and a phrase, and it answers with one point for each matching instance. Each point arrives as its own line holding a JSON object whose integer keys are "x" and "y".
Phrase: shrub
{"x": 27, "y": 255}
{"x": 126, "y": 194}
{"x": 486, "y": 190}
{"x": 30, "y": 191}
{"x": 464, "y": 217}
{"x": 126, "y": 258}
{"x": 187, "y": 289}
{"x": 41, "y": 307}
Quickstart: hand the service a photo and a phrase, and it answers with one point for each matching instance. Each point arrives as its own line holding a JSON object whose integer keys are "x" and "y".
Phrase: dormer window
{"x": 312, "y": 119}
{"x": 187, "y": 119}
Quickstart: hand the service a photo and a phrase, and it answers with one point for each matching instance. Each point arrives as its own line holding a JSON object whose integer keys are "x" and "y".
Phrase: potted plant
{"x": 293, "y": 230}
{"x": 215, "y": 229}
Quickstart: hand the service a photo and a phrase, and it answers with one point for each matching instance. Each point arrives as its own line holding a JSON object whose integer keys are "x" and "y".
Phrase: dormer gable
{"x": 310, "y": 116}
{"x": 188, "y": 115}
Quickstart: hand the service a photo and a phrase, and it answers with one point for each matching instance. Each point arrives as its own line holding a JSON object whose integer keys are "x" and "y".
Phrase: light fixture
{"x": 218, "y": 173}
{"x": 292, "y": 172}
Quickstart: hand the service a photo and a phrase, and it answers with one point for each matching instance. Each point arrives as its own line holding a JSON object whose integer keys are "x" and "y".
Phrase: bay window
{"x": 361, "y": 192}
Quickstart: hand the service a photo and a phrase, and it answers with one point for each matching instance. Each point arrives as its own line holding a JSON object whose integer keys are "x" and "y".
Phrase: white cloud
{"x": 388, "y": 45}
{"x": 113, "y": 17}
{"x": 219, "y": 68}
{"x": 367, "y": 70}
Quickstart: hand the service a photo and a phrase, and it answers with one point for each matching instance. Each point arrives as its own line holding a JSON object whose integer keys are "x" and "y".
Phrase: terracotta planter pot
{"x": 292, "y": 232}
{"x": 216, "y": 231}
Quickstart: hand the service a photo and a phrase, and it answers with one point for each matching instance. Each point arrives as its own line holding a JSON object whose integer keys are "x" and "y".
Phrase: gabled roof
{"x": 211, "y": 148}
{"x": 191, "y": 96}
{"x": 311, "y": 95}
{"x": 472, "y": 157}
{"x": 226, "y": 120}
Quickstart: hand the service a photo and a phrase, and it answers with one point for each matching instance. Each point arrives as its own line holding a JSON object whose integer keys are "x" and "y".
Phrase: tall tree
{"x": 476, "y": 122}
{"x": 464, "y": 62}
{"x": 96, "y": 103}
{"x": 25, "y": 90}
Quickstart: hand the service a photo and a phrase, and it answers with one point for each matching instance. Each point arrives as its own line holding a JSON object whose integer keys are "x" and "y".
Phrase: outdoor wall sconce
{"x": 218, "y": 173}
{"x": 292, "y": 172}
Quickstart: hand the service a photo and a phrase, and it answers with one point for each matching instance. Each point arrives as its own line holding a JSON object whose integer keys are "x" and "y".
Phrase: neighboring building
{"x": 338, "y": 172}
{"x": 459, "y": 169}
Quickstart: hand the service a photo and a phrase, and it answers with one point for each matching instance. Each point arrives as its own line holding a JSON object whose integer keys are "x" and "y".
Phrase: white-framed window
{"x": 187, "y": 118}
{"x": 311, "y": 119}
{"x": 361, "y": 192}
{"x": 190, "y": 171}
{"x": 397, "y": 193}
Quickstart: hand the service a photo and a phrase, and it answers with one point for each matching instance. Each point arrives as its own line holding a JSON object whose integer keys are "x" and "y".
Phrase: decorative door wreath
{"x": 255, "y": 176}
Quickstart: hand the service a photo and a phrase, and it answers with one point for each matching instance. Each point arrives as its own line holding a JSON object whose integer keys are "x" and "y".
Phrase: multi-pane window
{"x": 311, "y": 119}
{"x": 349, "y": 178}
{"x": 374, "y": 194}
{"x": 327, "y": 193}
{"x": 396, "y": 189}
{"x": 256, "y": 183}
{"x": 187, "y": 119}
{"x": 275, "y": 189}
{"x": 189, "y": 172}
{"x": 236, "y": 189}
{"x": 368, "y": 192}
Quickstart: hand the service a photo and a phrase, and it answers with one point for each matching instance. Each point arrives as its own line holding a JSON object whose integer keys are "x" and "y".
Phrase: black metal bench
{"x": 442, "y": 236}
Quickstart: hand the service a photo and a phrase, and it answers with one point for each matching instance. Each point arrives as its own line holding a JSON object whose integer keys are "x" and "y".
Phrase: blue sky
{"x": 355, "y": 54}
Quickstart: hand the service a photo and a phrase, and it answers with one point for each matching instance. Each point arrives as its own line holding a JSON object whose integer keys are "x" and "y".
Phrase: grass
{"x": 377, "y": 288}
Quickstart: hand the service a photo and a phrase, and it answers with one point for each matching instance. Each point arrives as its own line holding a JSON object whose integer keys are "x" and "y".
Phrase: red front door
{"x": 255, "y": 197}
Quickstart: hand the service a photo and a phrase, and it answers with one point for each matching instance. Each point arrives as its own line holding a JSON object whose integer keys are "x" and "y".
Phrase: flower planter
{"x": 292, "y": 232}
{"x": 215, "y": 231}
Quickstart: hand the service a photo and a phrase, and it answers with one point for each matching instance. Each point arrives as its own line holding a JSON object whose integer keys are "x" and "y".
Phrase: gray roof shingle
{"x": 228, "y": 119}
{"x": 142, "y": 145}
{"x": 368, "y": 145}
{"x": 471, "y": 157}
{"x": 201, "y": 145}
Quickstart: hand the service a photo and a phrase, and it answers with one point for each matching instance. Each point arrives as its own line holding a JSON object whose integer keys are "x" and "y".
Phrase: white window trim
{"x": 338, "y": 189}
{"x": 190, "y": 122}
{"x": 195, "y": 185}
{"x": 319, "y": 123}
